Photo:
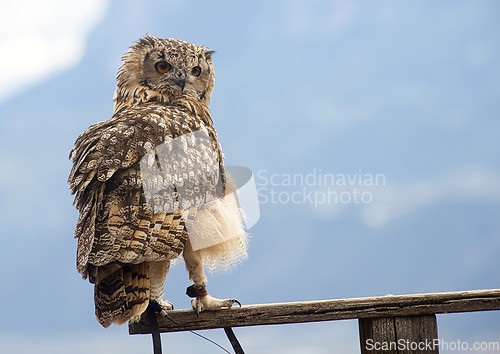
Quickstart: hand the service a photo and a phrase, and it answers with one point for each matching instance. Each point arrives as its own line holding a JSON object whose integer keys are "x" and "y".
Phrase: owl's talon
{"x": 161, "y": 306}
{"x": 197, "y": 305}
{"x": 199, "y": 308}
{"x": 166, "y": 305}
{"x": 235, "y": 302}
{"x": 209, "y": 303}
{"x": 230, "y": 302}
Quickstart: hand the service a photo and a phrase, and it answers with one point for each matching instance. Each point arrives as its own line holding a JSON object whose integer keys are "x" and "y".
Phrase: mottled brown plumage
{"x": 143, "y": 176}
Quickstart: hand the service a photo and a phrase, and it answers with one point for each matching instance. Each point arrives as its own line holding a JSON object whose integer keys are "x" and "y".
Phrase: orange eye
{"x": 196, "y": 71}
{"x": 162, "y": 67}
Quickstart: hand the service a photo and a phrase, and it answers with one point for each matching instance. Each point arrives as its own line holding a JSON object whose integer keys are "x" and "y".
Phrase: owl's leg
{"x": 201, "y": 300}
{"x": 157, "y": 274}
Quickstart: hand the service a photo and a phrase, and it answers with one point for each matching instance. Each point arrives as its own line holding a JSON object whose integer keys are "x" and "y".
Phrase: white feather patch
{"x": 217, "y": 232}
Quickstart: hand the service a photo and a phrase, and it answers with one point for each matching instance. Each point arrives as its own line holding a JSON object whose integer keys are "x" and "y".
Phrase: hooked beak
{"x": 181, "y": 81}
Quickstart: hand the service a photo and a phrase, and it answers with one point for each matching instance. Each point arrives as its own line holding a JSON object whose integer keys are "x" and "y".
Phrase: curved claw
{"x": 229, "y": 303}
{"x": 198, "y": 307}
{"x": 236, "y": 302}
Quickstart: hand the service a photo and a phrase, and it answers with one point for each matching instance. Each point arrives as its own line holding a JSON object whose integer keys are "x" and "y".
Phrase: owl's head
{"x": 164, "y": 69}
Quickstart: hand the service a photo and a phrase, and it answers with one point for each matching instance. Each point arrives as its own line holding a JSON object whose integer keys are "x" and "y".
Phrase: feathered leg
{"x": 157, "y": 274}
{"x": 201, "y": 300}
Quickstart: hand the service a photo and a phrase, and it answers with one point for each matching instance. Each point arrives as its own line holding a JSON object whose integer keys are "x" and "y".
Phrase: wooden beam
{"x": 325, "y": 310}
{"x": 399, "y": 335}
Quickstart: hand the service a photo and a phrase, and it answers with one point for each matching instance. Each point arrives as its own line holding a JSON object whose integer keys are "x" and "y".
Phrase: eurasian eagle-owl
{"x": 150, "y": 185}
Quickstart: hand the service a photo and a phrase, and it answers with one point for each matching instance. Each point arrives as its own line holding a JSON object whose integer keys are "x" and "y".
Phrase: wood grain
{"x": 326, "y": 310}
{"x": 399, "y": 335}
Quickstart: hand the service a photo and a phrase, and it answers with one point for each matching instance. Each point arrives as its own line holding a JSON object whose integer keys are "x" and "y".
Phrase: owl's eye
{"x": 162, "y": 67}
{"x": 196, "y": 71}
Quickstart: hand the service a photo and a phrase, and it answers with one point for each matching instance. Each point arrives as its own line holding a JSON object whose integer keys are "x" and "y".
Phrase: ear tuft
{"x": 208, "y": 53}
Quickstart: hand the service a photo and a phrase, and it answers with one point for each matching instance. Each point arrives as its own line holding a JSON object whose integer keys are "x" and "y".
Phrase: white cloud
{"x": 40, "y": 38}
{"x": 393, "y": 202}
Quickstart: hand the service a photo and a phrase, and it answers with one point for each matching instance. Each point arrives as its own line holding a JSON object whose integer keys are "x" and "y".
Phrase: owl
{"x": 150, "y": 185}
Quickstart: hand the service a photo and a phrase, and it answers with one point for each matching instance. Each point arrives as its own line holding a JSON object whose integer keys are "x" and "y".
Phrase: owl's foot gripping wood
{"x": 165, "y": 305}
{"x": 201, "y": 301}
{"x": 209, "y": 303}
{"x": 158, "y": 306}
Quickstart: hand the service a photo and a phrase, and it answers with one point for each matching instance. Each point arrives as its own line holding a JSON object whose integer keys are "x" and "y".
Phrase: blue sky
{"x": 406, "y": 89}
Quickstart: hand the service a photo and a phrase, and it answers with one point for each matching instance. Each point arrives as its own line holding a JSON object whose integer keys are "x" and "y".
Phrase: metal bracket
{"x": 233, "y": 340}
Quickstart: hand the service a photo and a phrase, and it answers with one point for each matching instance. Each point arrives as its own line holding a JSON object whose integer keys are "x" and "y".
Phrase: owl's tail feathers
{"x": 121, "y": 292}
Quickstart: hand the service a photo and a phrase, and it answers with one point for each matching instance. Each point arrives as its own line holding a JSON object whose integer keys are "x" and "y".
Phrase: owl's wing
{"x": 132, "y": 174}
{"x": 116, "y": 143}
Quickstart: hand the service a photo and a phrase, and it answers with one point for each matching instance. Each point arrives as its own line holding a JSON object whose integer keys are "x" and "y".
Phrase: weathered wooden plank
{"x": 419, "y": 334}
{"x": 326, "y": 310}
{"x": 378, "y": 330}
{"x": 399, "y": 335}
